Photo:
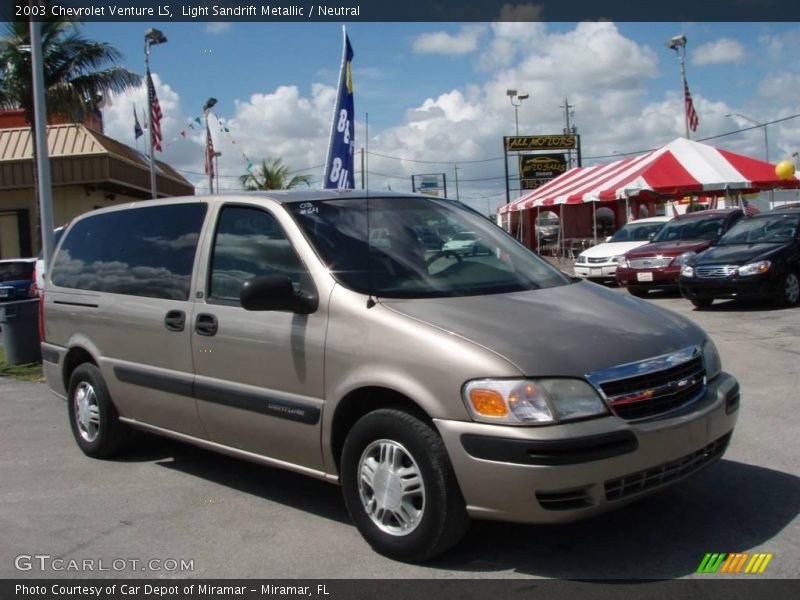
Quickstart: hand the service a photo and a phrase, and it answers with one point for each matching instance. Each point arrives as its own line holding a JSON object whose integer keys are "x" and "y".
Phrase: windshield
{"x": 699, "y": 228}
{"x": 762, "y": 230}
{"x": 404, "y": 263}
{"x": 637, "y": 232}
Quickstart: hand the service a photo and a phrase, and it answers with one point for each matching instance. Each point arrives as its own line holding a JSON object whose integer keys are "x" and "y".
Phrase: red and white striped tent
{"x": 680, "y": 168}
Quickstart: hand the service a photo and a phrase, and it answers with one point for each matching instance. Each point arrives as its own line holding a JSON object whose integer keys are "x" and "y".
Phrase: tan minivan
{"x": 432, "y": 385}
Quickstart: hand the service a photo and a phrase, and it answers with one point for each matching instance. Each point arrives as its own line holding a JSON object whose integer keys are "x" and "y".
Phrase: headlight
{"x": 618, "y": 259}
{"x": 531, "y": 401}
{"x": 687, "y": 271}
{"x": 581, "y": 259}
{"x": 711, "y": 360}
{"x": 683, "y": 259}
{"x": 756, "y": 268}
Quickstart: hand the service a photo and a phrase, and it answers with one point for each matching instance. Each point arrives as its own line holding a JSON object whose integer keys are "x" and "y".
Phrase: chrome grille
{"x": 635, "y": 483}
{"x": 650, "y": 262}
{"x": 716, "y": 271}
{"x": 653, "y": 387}
{"x": 603, "y": 259}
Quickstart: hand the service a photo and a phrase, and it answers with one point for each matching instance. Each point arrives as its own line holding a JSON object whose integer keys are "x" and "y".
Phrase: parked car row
{"x": 708, "y": 255}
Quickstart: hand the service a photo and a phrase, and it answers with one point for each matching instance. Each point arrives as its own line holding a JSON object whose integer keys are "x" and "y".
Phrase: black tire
{"x": 441, "y": 518}
{"x": 789, "y": 291}
{"x": 100, "y": 434}
{"x": 638, "y": 292}
{"x": 701, "y": 302}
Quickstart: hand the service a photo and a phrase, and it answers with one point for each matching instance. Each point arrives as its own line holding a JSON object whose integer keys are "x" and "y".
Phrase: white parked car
{"x": 600, "y": 262}
{"x": 466, "y": 242}
{"x": 39, "y": 270}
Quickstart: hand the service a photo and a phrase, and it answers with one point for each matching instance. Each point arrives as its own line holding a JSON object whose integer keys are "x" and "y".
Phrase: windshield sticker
{"x": 308, "y": 208}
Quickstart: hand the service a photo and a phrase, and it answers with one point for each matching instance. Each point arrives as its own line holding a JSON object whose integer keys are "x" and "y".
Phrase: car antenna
{"x": 371, "y": 300}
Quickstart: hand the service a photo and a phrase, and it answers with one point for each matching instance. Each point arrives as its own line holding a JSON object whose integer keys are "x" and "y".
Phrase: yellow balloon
{"x": 784, "y": 169}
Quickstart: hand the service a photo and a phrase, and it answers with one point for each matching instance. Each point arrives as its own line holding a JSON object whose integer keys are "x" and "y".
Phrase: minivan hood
{"x": 669, "y": 248}
{"x": 568, "y": 330}
{"x": 738, "y": 254}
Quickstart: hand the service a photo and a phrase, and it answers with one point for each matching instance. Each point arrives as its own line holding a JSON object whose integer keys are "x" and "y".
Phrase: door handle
{"x": 205, "y": 324}
{"x": 175, "y": 320}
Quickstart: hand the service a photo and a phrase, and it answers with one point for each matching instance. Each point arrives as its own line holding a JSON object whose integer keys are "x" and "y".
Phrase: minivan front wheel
{"x": 400, "y": 488}
{"x": 92, "y": 416}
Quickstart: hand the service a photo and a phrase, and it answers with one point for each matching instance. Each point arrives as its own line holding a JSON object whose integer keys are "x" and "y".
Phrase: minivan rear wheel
{"x": 399, "y": 486}
{"x": 92, "y": 416}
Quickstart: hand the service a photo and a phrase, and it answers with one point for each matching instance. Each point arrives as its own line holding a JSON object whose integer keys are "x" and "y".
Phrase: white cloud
{"x": 604, "y": 74}
{"x": 441, "y": 42}
{"x": 724, "y": 50}
{"x": 218, "y": 27}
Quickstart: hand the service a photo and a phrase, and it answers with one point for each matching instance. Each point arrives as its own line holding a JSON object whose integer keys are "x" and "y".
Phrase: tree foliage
{"x": 272, "y": 174}
{"x": 77, "y": 72}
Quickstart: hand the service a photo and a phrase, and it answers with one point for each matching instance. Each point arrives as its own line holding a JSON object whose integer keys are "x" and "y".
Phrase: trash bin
{"x": 20, "y": 323}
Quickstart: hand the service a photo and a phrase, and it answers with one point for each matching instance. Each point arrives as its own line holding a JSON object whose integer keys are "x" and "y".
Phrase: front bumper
{"x": 660, "y": 278}
{"x": 729, "y": 288}
{"x": 598, "y": 271}
{"x": 573, "y": 471}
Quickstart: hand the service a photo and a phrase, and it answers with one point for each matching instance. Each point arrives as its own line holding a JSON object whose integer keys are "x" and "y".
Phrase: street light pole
{"x": 678, "y": 43}
{"x": 152, "y": 37}
{"x": 216, "y": 167}
{"x": 210, "y": 103}
{"x": 511, "y": 95}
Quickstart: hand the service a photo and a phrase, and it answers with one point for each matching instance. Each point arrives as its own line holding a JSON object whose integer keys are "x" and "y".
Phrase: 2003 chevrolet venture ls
{"x": 433, "y": 386}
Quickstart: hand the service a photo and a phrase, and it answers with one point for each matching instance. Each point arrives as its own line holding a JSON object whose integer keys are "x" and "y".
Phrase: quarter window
{"x": 250, "y": 243}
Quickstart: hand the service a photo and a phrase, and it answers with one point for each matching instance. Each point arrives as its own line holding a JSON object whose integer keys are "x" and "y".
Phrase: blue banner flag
{"x": 339, "y": 172}
{"x": 137, "y": 129}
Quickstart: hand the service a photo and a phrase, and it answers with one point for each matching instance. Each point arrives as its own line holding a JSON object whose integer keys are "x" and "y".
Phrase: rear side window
{"x": 140, "y": 252}
{"x": 16, "y": 271}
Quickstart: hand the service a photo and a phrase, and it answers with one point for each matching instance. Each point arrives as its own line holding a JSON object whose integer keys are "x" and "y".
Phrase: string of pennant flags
{"x": 196, "y": 123}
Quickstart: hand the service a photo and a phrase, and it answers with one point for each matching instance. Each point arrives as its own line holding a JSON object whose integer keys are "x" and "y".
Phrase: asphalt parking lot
{"x": 166, "y": 501}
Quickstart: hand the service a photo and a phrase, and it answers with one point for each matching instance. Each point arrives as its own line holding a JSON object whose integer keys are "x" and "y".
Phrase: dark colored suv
{"x": 657, "y": 265}
{"x": 758, "y": 258}
{"x": 16, "y": 278}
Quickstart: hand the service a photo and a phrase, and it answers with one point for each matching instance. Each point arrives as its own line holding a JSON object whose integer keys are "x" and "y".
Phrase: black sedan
{"x": 758, "y": 258}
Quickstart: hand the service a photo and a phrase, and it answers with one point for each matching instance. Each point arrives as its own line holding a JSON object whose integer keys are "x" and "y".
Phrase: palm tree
{"x": 272, "y": 175}
{"x": 77, "y": 72}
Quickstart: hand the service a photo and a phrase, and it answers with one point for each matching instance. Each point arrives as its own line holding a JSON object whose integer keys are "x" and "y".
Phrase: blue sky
{"x": 436, "y": 91}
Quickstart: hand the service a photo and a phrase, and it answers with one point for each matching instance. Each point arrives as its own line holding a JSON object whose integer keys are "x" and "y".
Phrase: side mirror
{"x": 275, "y": 292}
{"x": 608, "y": 238}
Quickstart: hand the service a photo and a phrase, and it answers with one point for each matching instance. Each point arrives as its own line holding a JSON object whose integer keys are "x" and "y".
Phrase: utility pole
{"x": 456, "y": 170}
{"x": 362, "y": 167}
{"x": 568, "y": 130}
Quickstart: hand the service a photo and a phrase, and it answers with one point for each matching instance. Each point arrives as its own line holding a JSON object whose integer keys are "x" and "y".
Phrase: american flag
{"x": 155, "y": 115}
{"x": 209, "y": 152}
{"x": 749, "y": 209}
{"x": 691, "y": 113}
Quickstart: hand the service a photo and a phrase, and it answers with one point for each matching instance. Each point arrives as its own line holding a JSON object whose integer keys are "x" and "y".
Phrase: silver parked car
{"x": 432, "y": 386}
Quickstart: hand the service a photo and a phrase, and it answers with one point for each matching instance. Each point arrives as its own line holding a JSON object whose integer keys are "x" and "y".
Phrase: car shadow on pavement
{"x": 743, "y": 306}
{"x": 731, "y": 507}
{"x": 276, "y": 485}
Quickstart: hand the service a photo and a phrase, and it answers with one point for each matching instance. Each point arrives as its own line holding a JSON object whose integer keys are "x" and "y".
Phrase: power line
{"x": 437, "y": 162}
